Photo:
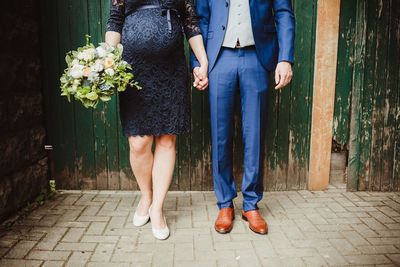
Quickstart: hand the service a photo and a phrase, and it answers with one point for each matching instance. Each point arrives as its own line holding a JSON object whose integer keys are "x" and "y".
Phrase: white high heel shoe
{"x": 160, "y": 234}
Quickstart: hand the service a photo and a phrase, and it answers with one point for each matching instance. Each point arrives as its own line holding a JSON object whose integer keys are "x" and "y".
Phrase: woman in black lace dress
{"x": 152, "y": 33}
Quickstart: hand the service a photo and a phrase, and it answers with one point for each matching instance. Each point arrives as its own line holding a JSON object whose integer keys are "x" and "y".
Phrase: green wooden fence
{"x": 90, "y": 151}
{"x": 367, "y": 104}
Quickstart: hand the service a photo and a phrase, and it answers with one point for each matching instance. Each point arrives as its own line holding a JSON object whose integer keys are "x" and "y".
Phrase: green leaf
{"x": 105, "y": 98}
{"x": 92, "y": 96}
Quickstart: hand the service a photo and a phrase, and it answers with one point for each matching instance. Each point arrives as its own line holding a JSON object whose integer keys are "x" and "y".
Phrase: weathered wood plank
{"x": 367, "y": 95}
{"x": 378, "y": 99}
{"x": 391, "y": 105}
{"x": 49, "y": 37}
{"x": 196, "y": 140}
{"x": 282, "y": 137}
{"x": 184, "y": 146}
{"x": 99, "y": 116}
{"x": 112, "y": 128}
{"x": 270, "y": 160}
{"x": 396, "y": 28}
{"x": 65, "y": 153}
{"x": 84, "y": 161}
{"x": 207, "y": 180}
{"x": 344, "y": 72}
{"x": 301, "y": 96}
{"x": 356, "y": 98}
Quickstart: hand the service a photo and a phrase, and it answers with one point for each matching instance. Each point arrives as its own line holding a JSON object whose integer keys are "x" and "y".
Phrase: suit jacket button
{"x": 226, "y": 4}
{"x": 223, "y": 27}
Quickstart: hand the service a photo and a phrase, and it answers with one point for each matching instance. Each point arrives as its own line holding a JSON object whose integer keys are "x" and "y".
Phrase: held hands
{"x": 283, "y": 74}
{"x": 200, "y": 77}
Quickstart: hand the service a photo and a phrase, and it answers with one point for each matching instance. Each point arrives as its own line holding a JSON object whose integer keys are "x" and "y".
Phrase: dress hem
{"x": 134, "y": 134}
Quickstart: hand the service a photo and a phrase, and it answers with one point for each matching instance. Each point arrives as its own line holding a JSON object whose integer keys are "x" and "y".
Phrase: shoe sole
{"x": 257, "y": 232}
{"x": 227, "y": 231}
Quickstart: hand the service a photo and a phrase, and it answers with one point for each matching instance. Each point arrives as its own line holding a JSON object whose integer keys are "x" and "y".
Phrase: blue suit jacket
{"x": 272, "y": 23}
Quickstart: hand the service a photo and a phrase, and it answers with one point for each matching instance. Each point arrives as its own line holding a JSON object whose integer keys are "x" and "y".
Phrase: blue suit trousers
{"x": 238, "y": 69}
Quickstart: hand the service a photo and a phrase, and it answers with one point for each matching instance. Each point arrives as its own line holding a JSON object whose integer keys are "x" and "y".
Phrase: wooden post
{"x": 326, "y": 45}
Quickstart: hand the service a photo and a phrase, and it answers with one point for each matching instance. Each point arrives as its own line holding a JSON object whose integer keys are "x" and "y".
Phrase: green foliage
{"x": 46, "y": 194}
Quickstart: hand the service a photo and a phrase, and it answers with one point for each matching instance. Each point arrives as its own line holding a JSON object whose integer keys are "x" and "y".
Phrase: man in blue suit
{"x": 245, "y": 40}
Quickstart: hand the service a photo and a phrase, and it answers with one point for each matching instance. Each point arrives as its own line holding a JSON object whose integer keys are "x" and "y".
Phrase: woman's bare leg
{"x": 163, "y": 169}
{"x": 141, "y": 159}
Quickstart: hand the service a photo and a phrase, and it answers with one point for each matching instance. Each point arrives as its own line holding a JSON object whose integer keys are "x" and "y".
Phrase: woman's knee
{"x": 139, "y": 145}
{"x": 166, "y": 141}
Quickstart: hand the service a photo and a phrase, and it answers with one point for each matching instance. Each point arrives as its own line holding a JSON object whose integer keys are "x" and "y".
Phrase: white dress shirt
{"x": 239, "y": 25}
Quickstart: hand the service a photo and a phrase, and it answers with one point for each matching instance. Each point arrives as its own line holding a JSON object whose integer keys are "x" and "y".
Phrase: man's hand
{"x": 283, "y": 74}
{"x": 200, "y": 77}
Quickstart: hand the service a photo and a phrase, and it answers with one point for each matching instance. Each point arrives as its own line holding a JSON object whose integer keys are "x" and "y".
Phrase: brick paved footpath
{"x": 94, "y": 228}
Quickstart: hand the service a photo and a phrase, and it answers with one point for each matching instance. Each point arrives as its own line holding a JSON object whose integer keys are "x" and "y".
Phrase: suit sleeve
{"x": 285, "y": 25}
{"x": 203, "y": 13}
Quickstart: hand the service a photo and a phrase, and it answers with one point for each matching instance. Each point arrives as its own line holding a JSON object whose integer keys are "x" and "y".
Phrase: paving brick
{"x": 364, "y": 230}
{"x": 395, "y": 258}
{"x": 19, "y": 263}
{"x": 53, "y": 235}
{"x": 73, "y": 235}
{"x": 53, "y": 264}
{"x": 93, "y": 218}
{"x": 75, "y": 246}
{"x": 355, "y": 238}
{"x": 99, "y": 239}
{"x": 96, "y": 228}
{"x": 344, "y": 247}
{"x": 315, "y": 260}
{"x": 367, "y": 259}
{"x": 7, "y": 243}
{"x": 48, "y": 255}
{"x": 195, "y": 263}
{"x": 373, "y": 224}
{"x": 379, "y": 249}
{"x": 103, "y": 252}
{"x": 20, "y": 249}
{"x": 163, "y": 259}
{"x": 247, "y": 257}
{"x": 232, "y": 245}
{"x": 78, "y": 259}
{"x": 332, "y": 256}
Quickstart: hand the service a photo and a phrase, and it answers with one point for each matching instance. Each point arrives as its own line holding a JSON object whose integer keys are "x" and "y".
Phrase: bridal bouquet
{"x": 95, "y": 73}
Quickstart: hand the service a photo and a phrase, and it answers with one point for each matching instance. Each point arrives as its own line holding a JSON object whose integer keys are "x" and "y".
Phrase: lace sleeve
{"x": 190, "y": 20}
{"x": 117, "y": 16}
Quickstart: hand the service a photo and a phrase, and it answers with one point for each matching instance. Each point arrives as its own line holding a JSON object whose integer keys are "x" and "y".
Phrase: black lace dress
{"x": 153, "y": 40}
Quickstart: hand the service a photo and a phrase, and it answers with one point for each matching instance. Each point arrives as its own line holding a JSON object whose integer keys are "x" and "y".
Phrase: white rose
{"x": 97, "y": 68}
{"x": 72, "y": 89}
{"x": 88, "y": 56}
{"x": 76, "y": 71}
{"x": 110, "y": 72}
{"x": 101, "y": 52}
{"x": 75, "y": 62}
{"x": 80, "y": 55}
{"x": 93, "y": 76}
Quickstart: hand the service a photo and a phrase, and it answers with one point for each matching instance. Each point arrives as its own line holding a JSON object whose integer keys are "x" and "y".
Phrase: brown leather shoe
{"x": 224, "y": 222}
{"x": 256, "y": 222}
